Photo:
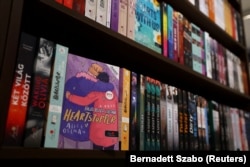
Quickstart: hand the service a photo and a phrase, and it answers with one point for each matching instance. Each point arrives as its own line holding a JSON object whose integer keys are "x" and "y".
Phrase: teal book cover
{"x": 148, "y": 24}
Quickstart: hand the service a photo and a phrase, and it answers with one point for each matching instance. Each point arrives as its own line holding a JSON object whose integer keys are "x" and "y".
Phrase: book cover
{"x": 90, "y": 116}
{"x": 90, "y": 9}
{"x": 38, "y": 103}
{"x": 124, "y": 102}
{"x": 101, "y": 11}
{"x": 148, "y": 24}
{"x": 123, "y": 16}
{"x": 20, "y": 93}
{"x": 56, "y": 97}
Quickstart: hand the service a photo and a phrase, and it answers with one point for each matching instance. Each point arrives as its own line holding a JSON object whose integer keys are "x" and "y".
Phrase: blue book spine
{"x": 56, "y": 97}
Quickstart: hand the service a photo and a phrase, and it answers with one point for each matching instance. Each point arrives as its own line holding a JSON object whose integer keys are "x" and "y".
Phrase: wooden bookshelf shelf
{"x": 46, "y": 18}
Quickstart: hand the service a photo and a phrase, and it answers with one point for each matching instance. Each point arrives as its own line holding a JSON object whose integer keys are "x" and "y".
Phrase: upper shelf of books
{"x": 86, "y": 37}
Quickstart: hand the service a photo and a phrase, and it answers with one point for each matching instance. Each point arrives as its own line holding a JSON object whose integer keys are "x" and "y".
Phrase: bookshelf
{"x": 83, "y": 36}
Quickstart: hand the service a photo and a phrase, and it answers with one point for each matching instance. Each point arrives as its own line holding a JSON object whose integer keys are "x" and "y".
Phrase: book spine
{"x": 124, "y": 87}
{"x": 153, "y": 115}
{"x": 38, "y": 103}
{"x": 90, "y": 9}
{"x": 180, "y": 119}
{"x": 109, "y": 7}
{"x": 180, "y": 39}
{"x": 175, "y": 120}
{"x": 185, "y": 119}
{"x": 114, "y": 15}
{"x": 101, "y": 12}
{"x": 20, "y": 93}
{"x": 158, "y": 116}
{"x": 131, "y": 19}
{"x": 56, "y": 97}
{"x": 170, "y": 129}
{"x": 163, "y": 116}
{"x": 79, "y": 6}
{"x": 175, "y": 35}
{"x": 170, "y": 32}
{"x": 141, "y": 79}
{"x": 164, "y": 29}
{"x": 133, "y": 143}
{"x": 147, "y": 120}
{"x": 123, "y": 14}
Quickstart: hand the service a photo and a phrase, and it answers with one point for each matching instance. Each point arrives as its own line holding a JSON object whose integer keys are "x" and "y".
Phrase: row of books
{"x": 169, "y": 32}
{"x": 63, "y": 100}
{"x": 224, "y": 15}
{"x": 189, "y": 45}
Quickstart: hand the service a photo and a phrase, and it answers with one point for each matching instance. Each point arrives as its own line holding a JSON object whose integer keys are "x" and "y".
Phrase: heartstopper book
{"x": 90, "y": 110}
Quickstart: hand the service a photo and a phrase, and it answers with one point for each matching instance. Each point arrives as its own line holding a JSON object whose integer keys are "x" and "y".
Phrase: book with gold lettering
{"x": 90, "y": 109}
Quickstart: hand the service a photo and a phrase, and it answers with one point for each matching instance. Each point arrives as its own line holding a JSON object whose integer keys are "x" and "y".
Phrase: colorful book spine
{"x": 56, "y": 97}
{"x": 142, "y": 98}
{"x": 147, "y": 114}
{"x": 38, "y": 103}
{"x": 90, "y": 9}
{"x": 196, "y": 49}
{"x": 187, "y": 43}
{"x": 133, "y": 113}
{"x": 148, "y": 24}
{"x": 124, "y": 96}
{"x": 170, "y": 11}
{"x": 185, "y": 120}
{"x": 158, "y": 116}
{"x": 18, "y": 105}
{"x": 175, "y": 35}
{"x": 153, "y": 115}
{"x": 114, "y": 15}
{"x": 101, "y": 11}
{"x": 180, "y": 39}
{"x": 131, "y": 19}
{"x": 123, "y": 15}
{"x": 163, "y": 116}
{"x": 164, "y": 28}
{"x": 180, "y": 119}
